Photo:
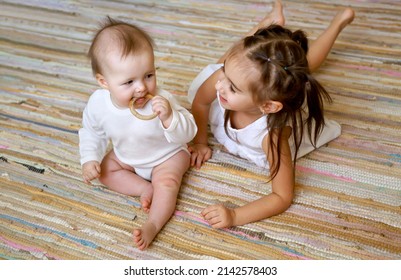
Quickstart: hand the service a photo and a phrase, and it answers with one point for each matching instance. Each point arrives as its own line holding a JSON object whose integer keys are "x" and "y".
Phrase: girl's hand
{"x": 199, "y": 154}
{"x": 90, "y": 171}
{"x": 162, "y": 107}
{"x": 219, "y": 216}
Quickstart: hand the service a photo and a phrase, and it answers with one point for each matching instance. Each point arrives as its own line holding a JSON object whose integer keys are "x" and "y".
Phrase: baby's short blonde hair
{"x": 127, "y": 37}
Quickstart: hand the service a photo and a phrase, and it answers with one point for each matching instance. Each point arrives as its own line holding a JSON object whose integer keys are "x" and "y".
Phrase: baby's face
{"x": 129, "y": 77}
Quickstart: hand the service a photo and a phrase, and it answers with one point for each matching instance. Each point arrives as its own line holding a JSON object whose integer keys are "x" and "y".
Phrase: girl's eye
{"x": 232, "y": 89}
{"x": 149, "y": 76}
{"x": 129, "y": 82}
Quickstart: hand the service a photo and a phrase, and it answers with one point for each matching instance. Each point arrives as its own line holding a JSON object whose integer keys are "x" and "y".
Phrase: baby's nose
{"x": 140, "y": 87}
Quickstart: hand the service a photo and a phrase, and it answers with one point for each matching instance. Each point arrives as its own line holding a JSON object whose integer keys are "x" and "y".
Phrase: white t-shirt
{"x": 139, "y": 143}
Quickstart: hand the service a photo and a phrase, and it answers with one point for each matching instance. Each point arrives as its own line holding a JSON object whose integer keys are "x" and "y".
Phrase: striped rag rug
{"x": 348, "y": 193}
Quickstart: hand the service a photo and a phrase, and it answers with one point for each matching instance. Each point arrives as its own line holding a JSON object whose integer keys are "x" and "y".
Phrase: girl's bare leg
{"x": 166, "y": 180}
{"x": 321, "y": 47}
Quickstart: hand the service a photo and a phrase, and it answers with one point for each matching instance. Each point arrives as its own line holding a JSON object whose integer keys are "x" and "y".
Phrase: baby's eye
{"x": 148, "y": 76}
{"x": 129, "y": 82}
{"x": 232, "y": 89}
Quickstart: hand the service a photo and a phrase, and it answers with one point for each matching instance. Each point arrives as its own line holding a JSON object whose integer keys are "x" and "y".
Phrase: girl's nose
{"x": 218, "y": 86}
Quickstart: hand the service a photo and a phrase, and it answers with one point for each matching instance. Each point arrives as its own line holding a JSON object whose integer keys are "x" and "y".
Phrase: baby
{"x": 149, "y": 157}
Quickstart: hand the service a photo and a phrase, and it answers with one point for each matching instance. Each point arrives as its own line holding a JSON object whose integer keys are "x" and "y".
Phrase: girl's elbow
{"x": 287, "y": 205}
{"x": 287, "y": 201}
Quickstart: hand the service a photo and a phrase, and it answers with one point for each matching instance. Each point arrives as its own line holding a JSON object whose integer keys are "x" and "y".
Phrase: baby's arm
{"x": 272, "y": 204}
{"x": 90, "y": 171}
{"x": 92, "y": 141}
{"x": 179, "y": 126}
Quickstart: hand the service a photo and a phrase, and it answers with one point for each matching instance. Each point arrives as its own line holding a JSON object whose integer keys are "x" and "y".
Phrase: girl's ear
{"x": 271, "y": 107}
{"x": 101, "y": 81}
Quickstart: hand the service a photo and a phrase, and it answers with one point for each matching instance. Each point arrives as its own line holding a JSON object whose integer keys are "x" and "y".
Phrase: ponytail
{"x": 315, "y": 95}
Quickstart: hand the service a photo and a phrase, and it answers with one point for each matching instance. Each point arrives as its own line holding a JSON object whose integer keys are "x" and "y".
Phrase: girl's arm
{"x": 272, "y": 204}
{"x": 206, "y": 94}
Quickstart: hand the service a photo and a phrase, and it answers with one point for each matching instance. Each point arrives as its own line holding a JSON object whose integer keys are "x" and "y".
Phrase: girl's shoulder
{"x": 208, "y": 71}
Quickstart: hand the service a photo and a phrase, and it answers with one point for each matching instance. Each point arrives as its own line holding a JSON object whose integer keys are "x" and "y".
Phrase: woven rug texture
{"x": 348, "y": 193}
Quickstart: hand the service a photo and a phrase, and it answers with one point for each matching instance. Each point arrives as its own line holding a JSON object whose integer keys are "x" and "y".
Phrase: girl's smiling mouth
{"x": 221, "y": 98}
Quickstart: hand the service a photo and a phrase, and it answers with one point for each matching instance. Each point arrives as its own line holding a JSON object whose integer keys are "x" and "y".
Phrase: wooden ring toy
{"x": 140, "y": 116}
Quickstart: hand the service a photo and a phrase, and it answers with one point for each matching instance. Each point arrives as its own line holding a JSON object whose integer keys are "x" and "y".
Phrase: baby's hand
{"x": 90, "y": 171}
{"x": 219, "y": 216}
{"x": 199, "y": 154}
{"x": 162, "y": 107}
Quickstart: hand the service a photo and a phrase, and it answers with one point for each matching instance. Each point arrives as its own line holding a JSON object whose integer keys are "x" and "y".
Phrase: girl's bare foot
{"x": 144, "y": 236}
{"x": 146, "y": 199}
{"x": 276, "y": 16}
{"x": 343, "y": 18}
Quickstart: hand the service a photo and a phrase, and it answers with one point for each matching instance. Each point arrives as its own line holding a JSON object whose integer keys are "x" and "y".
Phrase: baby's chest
{"x": 134, "y": 129}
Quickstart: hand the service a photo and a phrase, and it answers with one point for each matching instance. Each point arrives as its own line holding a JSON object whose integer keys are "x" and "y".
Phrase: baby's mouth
{"x": 140, "y": 102}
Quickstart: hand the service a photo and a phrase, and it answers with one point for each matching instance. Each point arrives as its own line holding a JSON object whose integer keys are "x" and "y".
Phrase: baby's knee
{"x": 168, "y": 182}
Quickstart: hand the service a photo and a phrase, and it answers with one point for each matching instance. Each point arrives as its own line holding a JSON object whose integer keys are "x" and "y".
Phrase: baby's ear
{"x": 271, "y": 107}
{"x": 101, "y": 81}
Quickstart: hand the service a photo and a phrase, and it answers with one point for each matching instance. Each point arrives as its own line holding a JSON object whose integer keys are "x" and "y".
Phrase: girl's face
{"x": 129, "y": 77}
{"x": 233, "y": 88}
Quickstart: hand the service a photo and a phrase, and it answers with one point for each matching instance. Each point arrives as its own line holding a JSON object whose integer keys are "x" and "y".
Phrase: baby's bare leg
{"x": 166, "y": 180}
{"x": 121, "y": 178}
{"x": 321, "y": 47}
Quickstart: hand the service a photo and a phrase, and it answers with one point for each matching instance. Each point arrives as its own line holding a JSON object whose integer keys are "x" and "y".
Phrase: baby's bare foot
{"x": 343, "y": 18}
{"x": 144, "y": 236}
{"x": 146, "y": 200}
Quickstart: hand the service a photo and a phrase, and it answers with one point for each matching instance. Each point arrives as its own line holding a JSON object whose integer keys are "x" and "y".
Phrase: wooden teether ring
{"x": 140, "y": 116}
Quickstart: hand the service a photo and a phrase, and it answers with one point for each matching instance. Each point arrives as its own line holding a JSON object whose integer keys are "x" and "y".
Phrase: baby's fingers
{"x": 87, "y": 180}
{"x": 90, "y": 175}
{"x": 97, "y": 167}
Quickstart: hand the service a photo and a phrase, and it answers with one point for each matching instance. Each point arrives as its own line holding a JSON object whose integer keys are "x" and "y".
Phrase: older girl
{"x": 263, "y": 104}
